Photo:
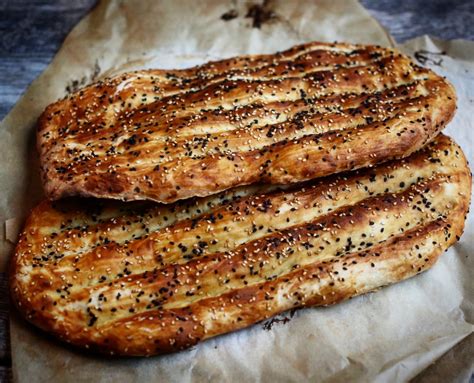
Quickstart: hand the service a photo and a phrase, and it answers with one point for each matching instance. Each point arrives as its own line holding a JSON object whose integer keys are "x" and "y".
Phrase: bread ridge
{"x": 311, "y": 244}
{"x": 311, "y": 111}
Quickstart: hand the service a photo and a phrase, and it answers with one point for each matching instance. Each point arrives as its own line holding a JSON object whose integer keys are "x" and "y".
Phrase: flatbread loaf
{"x": 141, "y": 278}
{"x": 311, "y": 111}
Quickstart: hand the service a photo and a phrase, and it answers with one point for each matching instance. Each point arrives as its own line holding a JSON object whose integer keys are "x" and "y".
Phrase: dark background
{"x": 31, "y": 32}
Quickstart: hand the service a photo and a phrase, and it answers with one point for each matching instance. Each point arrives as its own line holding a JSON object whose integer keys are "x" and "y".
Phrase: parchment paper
{"x": 392, "y": 335}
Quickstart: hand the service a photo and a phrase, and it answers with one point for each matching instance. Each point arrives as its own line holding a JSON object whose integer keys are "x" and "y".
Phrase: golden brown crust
{"x": 143, "y": 279}
{"x": 312, "y": 111}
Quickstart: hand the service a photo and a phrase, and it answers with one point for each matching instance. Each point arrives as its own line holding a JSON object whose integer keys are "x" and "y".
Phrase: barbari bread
{"x": 311, "y": 111}
{"x": 140, "y": 278}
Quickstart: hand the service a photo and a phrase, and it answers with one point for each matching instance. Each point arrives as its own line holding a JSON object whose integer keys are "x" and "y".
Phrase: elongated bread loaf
{"x": 141, "y": 279}
{"x": 311, "y": 111}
